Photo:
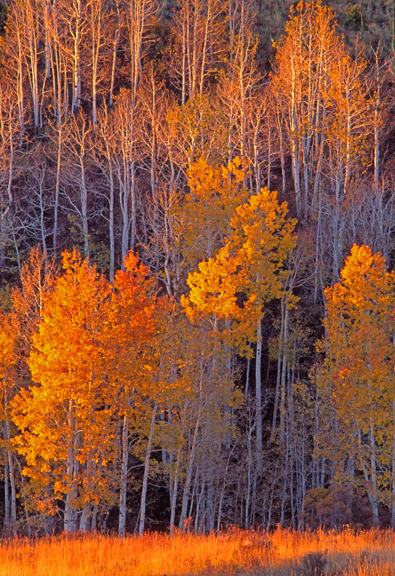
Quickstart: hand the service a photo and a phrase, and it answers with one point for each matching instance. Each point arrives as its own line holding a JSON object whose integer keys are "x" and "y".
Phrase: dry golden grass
{"x": 281, "y": 553}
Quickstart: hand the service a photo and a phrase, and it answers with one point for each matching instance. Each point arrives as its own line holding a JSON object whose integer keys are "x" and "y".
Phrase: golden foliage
{"x": 250, "y": 264}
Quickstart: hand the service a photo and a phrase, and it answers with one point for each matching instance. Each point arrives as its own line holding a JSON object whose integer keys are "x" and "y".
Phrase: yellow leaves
{"x": 238, "y": 168}
{"x": 201, "y": 218}
{"x": 260, "y": 226}
{"x": 249, "y": 265}
{"x": 357, "y": 373}
{"x": 366, "y": 289}
{"x": 214, "y": 286}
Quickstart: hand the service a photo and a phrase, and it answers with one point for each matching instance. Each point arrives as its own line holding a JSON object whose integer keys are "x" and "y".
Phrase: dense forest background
{"x": 196, "y": 219}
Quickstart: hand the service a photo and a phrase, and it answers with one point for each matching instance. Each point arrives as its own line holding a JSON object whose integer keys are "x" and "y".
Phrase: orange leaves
{"x": 8, "y": 360}
{"x": 88, "y": 353}
{"x": 7, "y": 344}
{"x": 132, "y": 324}
{"x": 67, "y": 347}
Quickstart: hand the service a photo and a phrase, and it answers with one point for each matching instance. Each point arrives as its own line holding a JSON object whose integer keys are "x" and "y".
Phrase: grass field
{"x": 280, "y": 553}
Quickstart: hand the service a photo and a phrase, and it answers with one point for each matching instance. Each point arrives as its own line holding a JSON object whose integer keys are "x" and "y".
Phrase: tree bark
{"x": 124, "y": 475}
{"x": 146, "y": 472}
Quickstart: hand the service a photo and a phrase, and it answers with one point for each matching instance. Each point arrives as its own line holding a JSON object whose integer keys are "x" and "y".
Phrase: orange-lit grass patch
{"x": 281, "y": 553}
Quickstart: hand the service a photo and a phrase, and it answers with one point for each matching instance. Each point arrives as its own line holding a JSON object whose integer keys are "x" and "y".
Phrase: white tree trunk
{"x": 146, "y": 472}
{"x": 124, "y": 474}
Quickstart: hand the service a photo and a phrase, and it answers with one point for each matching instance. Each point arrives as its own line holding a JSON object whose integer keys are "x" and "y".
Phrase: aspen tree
{"x": 132, "y": 326}
{"x": 103, "y": 156}
{"x": 138, "y": 15}
{"x": 300, "y": 81}
{"x": 9, "y": 121}
{"x": 169, "y": 389}
{"x": 326, "y": 116}
{"x": 37, "y": 278}
{"x": 193, "y": 226}
{"x": 65, "y": 430}
{"x": 251, "y": 262}
{"x": 238, "y": 88}
{"x": 36, "y": 215}
{"x": 297, "y": 265}
{"x": 205, "y": 213}
{"x": 199, "y": 125}
{"x": 100, "y": 25}
{"x": 198, "y": 428}
{"x": 56, "y": 30}
{"x": 77, "y": 144}
{"x": 164, "y": 250}
{"x": 119, "y": 18}
{"x": 75, "y": 16}
{"x": 28, "y": 16}
{"x": 199, "y": 37}
{"x": 8, "y": 380}
{"x": 357, "y": 373}
{"x": 351, "y": 123}
{"x": 22, "y": 53}
{"x": 153, "y": 98}
{"x": 127, "y": 153}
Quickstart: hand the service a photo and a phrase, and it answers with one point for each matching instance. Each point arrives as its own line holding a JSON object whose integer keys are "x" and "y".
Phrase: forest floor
{"x": 234, "y": 553}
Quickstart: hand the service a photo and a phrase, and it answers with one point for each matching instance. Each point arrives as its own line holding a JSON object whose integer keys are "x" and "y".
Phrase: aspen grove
{"x": 197, "y": 302}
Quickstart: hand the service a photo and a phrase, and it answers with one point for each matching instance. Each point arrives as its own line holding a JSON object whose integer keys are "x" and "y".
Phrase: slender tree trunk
{"x": 210, "y": 505}
{"x": 12, "y": 480}
{"x": 173, "y": 502}
{"x": 188, "y": 478}
{"x": 393, "y": 467}
{"x": 6, "y": 486}
{"x": 114, "y": 54}
{"x": 376, "y": 127}
{"x": 124, "y": 475}
{"x": 84, "y": 520}
{"x": 21, "y": 101}
{"x": 79, "y": 20}
{"x": 69, "y": 506}
{"x": 373, "y": 499}
{"x": 94, "y": 518}
{"x": 111, "y": 225}
{"x": 283, "y": 375}
{"x": 279, "y": 363}
{"x": 57, "y": 191}
{"x": 258, "y": 399}
{"x": 248, "y": 487}
{"x": 221, "y": 498}
{"x": 146, "y": 472}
